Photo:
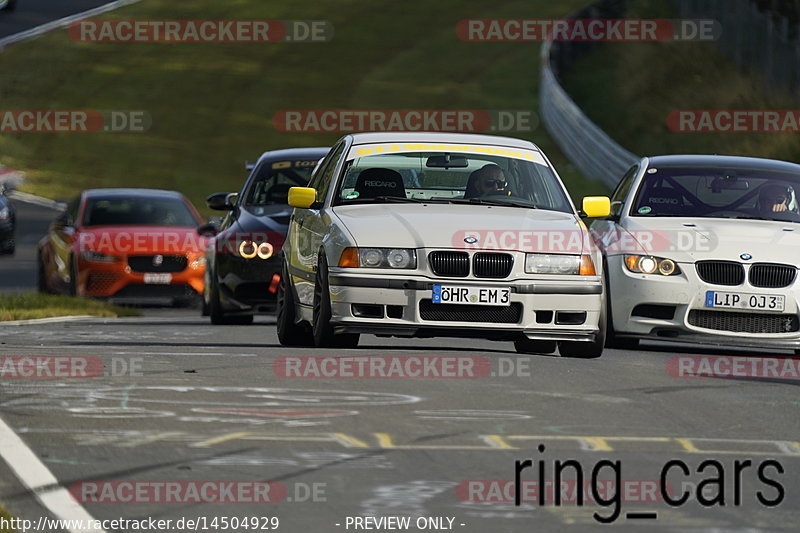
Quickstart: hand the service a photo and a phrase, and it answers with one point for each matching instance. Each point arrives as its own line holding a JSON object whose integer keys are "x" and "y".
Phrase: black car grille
{"x": 151, "y": 263}
{"x": 769, "y": 275}
{"x": 492, "y": 265}
{"x": 450, "y": 264}
{"x": 721, "y": 272}
{"x": 508, "y": 314}
{"x": 743, "y": 322}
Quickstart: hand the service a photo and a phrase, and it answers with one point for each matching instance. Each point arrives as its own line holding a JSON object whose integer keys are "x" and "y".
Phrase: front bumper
{"x": 117, "y": 280}
{"x": 558, "y": 309}
{"x": 668, "y": 308}
{"x": 248, "y": 284}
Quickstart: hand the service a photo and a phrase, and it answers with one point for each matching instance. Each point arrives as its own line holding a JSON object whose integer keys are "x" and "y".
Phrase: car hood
{"x": 688, "y": 240}
{"x": 448, "y": 225}
{"x": 140, "y": 240}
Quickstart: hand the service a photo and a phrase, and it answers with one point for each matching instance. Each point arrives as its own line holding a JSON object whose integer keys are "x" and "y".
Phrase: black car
{"x": 8, "y": 224}
{"x": 242, "y": 263}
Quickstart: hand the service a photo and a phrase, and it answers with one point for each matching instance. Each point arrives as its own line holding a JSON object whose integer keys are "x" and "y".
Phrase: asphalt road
{"x": 204, "y": 403}
{"x": 32, "y": 13}
{"x": 18, "y": 272}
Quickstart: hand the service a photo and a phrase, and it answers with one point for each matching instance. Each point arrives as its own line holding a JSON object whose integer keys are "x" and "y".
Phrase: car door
{"x": 308, "y": 227}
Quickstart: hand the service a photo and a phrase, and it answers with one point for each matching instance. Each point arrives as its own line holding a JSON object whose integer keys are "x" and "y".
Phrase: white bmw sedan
{"x": 433, "y": 234}
{"x": 704, "y": 249}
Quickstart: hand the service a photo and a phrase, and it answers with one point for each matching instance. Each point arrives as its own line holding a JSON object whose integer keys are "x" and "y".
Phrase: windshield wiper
{"x": 484, "y": 201}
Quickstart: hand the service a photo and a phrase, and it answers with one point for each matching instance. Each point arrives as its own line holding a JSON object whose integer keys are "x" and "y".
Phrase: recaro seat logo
{"x": 371, "y": 183}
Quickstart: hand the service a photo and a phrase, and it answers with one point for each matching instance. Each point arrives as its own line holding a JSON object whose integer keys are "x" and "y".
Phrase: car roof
{"x": 439, "y": 137}
{"x": 154, "y": 193}
{"x": 722, "y": 161}
{"x": 295, "y": 153}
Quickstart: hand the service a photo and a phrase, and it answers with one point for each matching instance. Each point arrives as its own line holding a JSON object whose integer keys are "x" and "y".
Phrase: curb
{"x": 48, "y": 320}
{"x": 60, "y": 23}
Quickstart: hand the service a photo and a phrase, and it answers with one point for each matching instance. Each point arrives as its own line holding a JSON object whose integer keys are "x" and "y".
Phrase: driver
{"x": 775, "y": 198}
{"x": 485, "y": 181}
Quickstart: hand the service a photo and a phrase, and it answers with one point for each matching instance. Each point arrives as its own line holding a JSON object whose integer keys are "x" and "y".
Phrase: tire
{"x": 41, "y": 276}
{"x": 612, "y": 340}
{"x": 218, "y": 315}
{"x": 534, "y": 346}
{"x": 290, "y": 333}
{"x": 324, "y": 337}
{"x": 72, "y": 287}
{"x": 586, "y": 350}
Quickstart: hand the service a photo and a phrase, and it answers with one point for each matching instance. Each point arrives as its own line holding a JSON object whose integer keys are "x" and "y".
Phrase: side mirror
{"x": 221, "y": 201}
{"x": 208, "y": 230}
{"x": 596, "y": 206}
{"x": 302, "y": 197}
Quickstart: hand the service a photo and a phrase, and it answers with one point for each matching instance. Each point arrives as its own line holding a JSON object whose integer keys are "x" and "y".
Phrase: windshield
{"x": 274, "y": 179}
{"x": 453, "y": 177}
{"x": 718, "y": 193}
{"x": 138, "y": 211}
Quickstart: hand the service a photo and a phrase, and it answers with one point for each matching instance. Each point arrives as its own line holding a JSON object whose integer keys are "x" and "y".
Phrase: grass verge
{"x": 629, "y": 89}
{"x": 212, "y": 104}
{"x": 5, "y": 516}
{"x": 28, "y": 306}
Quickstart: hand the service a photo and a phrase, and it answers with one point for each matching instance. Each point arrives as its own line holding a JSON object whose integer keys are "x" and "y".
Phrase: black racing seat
{"x": 374, "y": 182}
{"x": 664, "y": 201}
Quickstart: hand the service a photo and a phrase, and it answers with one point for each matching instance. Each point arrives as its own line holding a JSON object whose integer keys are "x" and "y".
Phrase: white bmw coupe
{"x": 434, "y": 234}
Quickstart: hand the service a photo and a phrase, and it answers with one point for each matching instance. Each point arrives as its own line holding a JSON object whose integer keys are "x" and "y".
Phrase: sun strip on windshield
{"x": 364, "y": 150}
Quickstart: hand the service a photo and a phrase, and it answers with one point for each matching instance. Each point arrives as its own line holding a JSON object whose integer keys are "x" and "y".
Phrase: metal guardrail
{"x": 589, "y": 148}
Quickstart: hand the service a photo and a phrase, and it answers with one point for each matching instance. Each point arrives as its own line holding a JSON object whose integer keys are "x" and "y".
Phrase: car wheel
{"x": 72, "y": 288}
{"x": 218, "y": 315}
{"x": 41, "y": 275}
{"x": 290, "y": 333}
{"x": 586, "y": 350}
{"x": 324, "y": 337}
{"x": 534, "y": 346}
{"x": 9, "y": 247}
{"x": 612, "y": 340}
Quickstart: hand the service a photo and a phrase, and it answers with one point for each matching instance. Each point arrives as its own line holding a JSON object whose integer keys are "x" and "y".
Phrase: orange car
{"x": 132, "y": 245}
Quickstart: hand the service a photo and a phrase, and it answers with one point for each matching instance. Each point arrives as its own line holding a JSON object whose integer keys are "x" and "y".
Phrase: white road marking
{"x": 48, "y": 320}
{"x": 36, "y": 477}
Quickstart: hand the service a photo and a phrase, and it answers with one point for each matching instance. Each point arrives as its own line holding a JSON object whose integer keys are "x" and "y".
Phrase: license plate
{"x": 737, "y": 300}
{"x": 157, "y": 278}
{"x": 451, "y": 294}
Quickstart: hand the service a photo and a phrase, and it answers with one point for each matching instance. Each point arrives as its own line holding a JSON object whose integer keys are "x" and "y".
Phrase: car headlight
{"x": 250, "y": 250}
{"x": 5, "y": 214}
{"x": 405, "y": 258}
{"x": 648, "y": 264}
{"x": 98, "y": 257}
{"x": 563, "y": 264}
{"x": 199, "y": 262}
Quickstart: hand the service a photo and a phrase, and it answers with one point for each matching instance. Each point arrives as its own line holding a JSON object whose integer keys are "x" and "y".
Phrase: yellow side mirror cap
{"x": 596, "y": 206}
{"x": 302, "y": 197}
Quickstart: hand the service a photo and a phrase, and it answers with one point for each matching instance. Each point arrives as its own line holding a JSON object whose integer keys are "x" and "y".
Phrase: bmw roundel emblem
{"x": 746, "y": 257}
{"x": 471, "y": 240}
{"x": 158, "y": 260}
